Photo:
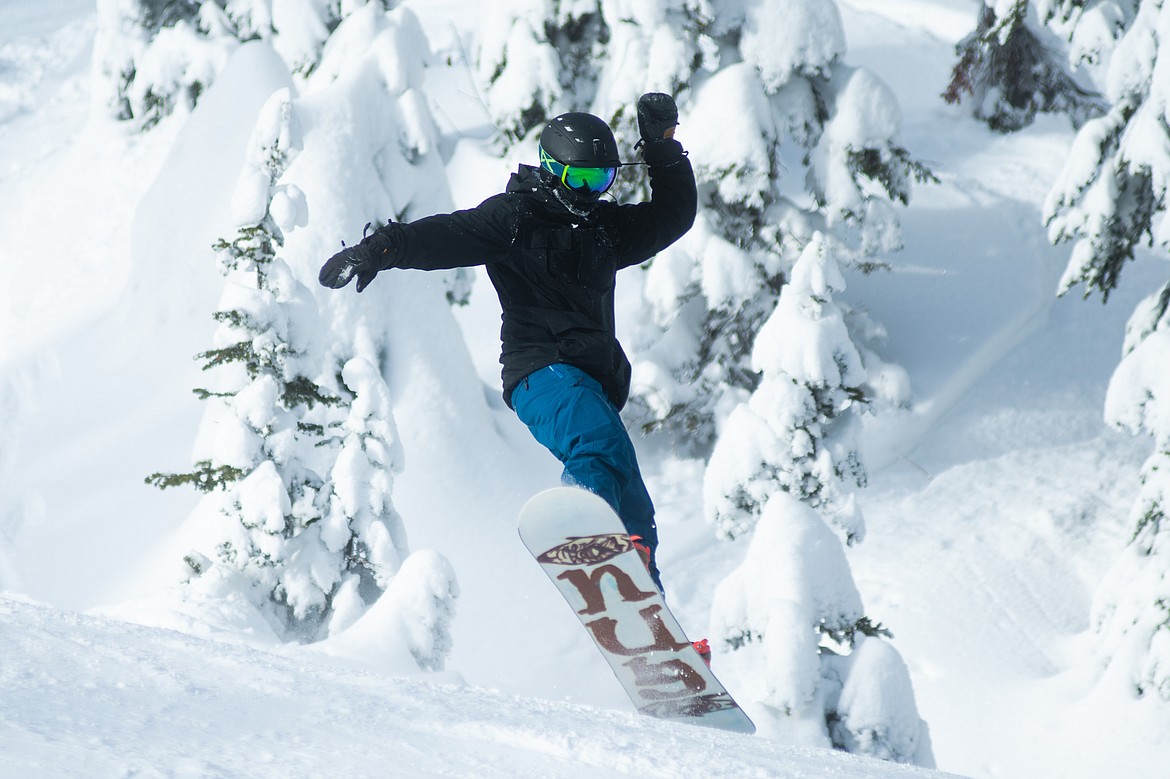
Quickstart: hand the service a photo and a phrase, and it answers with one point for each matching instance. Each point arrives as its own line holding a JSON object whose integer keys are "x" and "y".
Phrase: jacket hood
{"x": 527, "y": 179}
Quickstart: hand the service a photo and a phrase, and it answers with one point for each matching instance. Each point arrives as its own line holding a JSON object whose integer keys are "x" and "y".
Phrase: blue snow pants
{"x": 571, "y": 416}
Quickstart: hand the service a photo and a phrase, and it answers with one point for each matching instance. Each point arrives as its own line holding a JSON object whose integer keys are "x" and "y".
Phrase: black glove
{"x": 657, "y": 116}
{"x": 365, "y": 260}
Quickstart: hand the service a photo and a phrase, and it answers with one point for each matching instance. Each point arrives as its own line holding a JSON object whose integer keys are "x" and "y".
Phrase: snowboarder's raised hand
{"x": 657, "y": 116}
{"x": 363, "y": 261}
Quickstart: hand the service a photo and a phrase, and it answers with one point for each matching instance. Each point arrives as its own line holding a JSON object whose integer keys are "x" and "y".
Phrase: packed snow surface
{"x": 88, "y": 696}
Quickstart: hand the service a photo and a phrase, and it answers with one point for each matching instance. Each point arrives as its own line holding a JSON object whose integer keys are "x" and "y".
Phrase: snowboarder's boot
{"x": 643, "y": 550}
{"x": 704, "y": 649}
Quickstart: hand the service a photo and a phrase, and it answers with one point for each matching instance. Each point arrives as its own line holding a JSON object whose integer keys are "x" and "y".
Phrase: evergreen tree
{"x": 1111, "y": 196}
{"x": 1131, "y": 611}
{"x": 297, "y": 451}
{"x": 1110, "y": 201}
{"x": 1091, "y": 27}
{"x": 798, "y": 433}
{"x": 790, "y": 633}
{"x": 265, "y": 411}
{"x": 359, "y": 519}
{"x": 153, "y": 57}
{"x": 531, "y": 59}
{"x": 539, "y": 58}
{"x": 1012, "y": 75}
{"x": 299, "y": 473}
{"x": 787, "y": 141}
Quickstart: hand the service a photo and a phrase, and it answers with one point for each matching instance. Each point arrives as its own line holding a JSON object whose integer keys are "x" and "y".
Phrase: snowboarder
{"x": 552, "y": 247}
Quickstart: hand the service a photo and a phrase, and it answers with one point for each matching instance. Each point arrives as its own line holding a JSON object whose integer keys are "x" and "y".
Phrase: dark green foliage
{"x": 1120, "y": 15}
{"x": 1149, "y": 526}
{"x": 204, "y": 394}
{"x": 301, "y": 391}
{"x": 197, "y": 563}
{"x": 578, "y": 41}
{"x": 841, "y": 636}
{"x": 1129, "y": 224}
{"x": 154, "y": 108}
{"x": 237, "y": 319}
{"x": 1005, "y": 60}
{"x": 890, "y": 170}
{"x": 741, "y": 638}
{"x": 730, "y": 332}
{"x": 252, "y": 244}
{"x": 241, "y": 352}
{"x": 205, "y": 478}
{"x": 252, "y": 250}
{"x": 235, "y": 22}
{"x": 691, "y": 424}
{"x": 156, "y": 14}
{"x": 847, "y": 636}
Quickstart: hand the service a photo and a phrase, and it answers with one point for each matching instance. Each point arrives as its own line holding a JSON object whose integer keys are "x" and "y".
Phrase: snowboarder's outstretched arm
{"x": 457, "y": 240}
{"x": 486, "y": 233}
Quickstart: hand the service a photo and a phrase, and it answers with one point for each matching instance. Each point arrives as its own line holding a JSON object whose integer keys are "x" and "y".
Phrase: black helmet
{"x": 581, "y": 140}
{"x": 579, "y": 151}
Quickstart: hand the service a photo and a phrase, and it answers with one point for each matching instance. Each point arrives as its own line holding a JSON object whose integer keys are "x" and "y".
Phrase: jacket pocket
{"x": 576, "y": 256}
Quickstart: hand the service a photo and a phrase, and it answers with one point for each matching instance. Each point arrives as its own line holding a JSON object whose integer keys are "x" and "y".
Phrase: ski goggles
{"x": 574, "y": 177}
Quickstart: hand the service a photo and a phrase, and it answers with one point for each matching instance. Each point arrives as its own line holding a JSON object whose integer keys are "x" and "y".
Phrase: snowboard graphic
{"x": 584, "y": 548}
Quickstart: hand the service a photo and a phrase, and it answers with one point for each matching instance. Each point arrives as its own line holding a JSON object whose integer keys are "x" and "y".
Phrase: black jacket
{"x": 554, "y": 269}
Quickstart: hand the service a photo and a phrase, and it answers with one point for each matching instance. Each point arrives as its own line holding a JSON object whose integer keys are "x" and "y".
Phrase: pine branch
{"x": 204, "y": 478}
{"x": 242, "y": 351}
{"x": 204, "y": 394}
{"x": 848, "y": 636}
{"x": 302, "y": 391}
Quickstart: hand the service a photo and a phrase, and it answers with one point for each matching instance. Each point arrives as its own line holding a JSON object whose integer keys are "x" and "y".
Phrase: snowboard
{"x": 585, "y": 550}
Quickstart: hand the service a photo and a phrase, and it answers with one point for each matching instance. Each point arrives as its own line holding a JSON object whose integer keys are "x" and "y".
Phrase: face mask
{"x": 578, "y": 203}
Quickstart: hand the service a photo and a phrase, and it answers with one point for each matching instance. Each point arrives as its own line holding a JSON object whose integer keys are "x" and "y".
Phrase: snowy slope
{"x": 994, "y": 507}
{"x": 85, "y": 696}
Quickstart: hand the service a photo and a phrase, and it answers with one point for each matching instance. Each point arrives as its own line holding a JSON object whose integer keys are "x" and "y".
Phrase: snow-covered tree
{"x": 1012, "y": 73}
{"x": 787, "y": 140}
{"x": 1132, "y": 606}
{"x": 790, "y": 633}
{"x": 1110, "y": 202}
{"x": 359, "y": 517}
{"x": 1111, "y": 196}
{"x": 798, "y": 433}
{"x": 519, "y": 63}
{"x": 151, "y": 57}
{"x": 1091, "y": 27}
{"x": 298, "y": 527}
{"x": 155, "y": 56}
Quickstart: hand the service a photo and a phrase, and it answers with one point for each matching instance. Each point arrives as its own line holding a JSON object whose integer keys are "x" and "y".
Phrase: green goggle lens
{"x": 592, "y": 179}
{"x": 573, "y": 177}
